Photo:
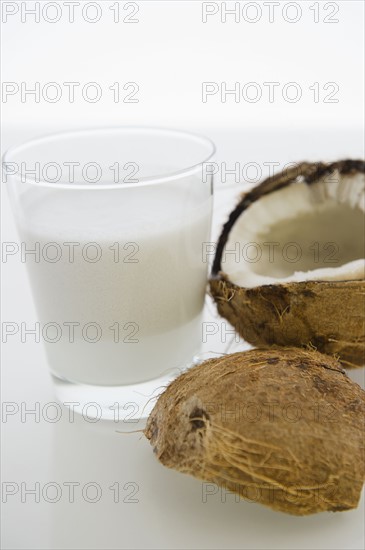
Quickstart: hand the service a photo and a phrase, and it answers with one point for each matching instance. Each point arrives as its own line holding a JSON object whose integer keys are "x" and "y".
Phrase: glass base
{"x": 128, "y": 405}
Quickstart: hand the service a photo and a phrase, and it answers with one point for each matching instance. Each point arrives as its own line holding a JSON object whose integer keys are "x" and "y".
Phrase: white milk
{"x": 144, "y": 307}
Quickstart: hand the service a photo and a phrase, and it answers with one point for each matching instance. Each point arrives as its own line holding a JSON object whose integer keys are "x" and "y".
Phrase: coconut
{"x": 284, "y": 428}
{"x": 289, "y": 267}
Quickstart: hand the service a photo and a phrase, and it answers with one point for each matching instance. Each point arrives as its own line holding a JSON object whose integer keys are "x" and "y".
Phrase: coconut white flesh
{"x": 316, "y": 233}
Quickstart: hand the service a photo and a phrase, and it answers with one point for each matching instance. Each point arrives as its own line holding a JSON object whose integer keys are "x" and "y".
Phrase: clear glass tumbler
{"x": 112, "y": 225}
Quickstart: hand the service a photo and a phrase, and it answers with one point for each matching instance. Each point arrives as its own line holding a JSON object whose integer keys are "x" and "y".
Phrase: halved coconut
{"x": 289, "y": 268}
{"x": 268, "y": 426}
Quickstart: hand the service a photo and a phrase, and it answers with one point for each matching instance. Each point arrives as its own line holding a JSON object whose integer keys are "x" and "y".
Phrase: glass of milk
{"x": 113, "y": 225}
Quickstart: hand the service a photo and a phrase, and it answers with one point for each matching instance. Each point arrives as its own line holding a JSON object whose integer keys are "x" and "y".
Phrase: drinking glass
{"x": 113, "y": 224}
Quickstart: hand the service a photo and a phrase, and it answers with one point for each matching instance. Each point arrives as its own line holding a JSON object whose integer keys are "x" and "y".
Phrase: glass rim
{"x": 148, "y": 180}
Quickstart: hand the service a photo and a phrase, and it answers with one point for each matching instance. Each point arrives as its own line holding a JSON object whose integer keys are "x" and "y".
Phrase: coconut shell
{"x": 329, "y": 316}
{"x": 284, "y": 428}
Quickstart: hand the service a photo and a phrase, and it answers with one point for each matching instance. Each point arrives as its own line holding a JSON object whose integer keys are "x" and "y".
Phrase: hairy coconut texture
{"x": 283, "y": 428}
{"x": 322, "y": 305}
{"x": 328, "y": 316}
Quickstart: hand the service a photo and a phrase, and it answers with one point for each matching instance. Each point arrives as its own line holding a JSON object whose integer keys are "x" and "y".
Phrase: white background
{"x": 169, "y": 53}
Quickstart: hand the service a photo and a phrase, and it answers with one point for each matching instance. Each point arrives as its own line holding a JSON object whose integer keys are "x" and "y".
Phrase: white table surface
{"x": 168, "y": 511}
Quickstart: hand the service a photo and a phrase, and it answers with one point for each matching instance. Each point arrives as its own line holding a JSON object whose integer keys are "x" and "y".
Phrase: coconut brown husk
{"x": 329, "y": 316}
{"x": 284, "y": 428}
